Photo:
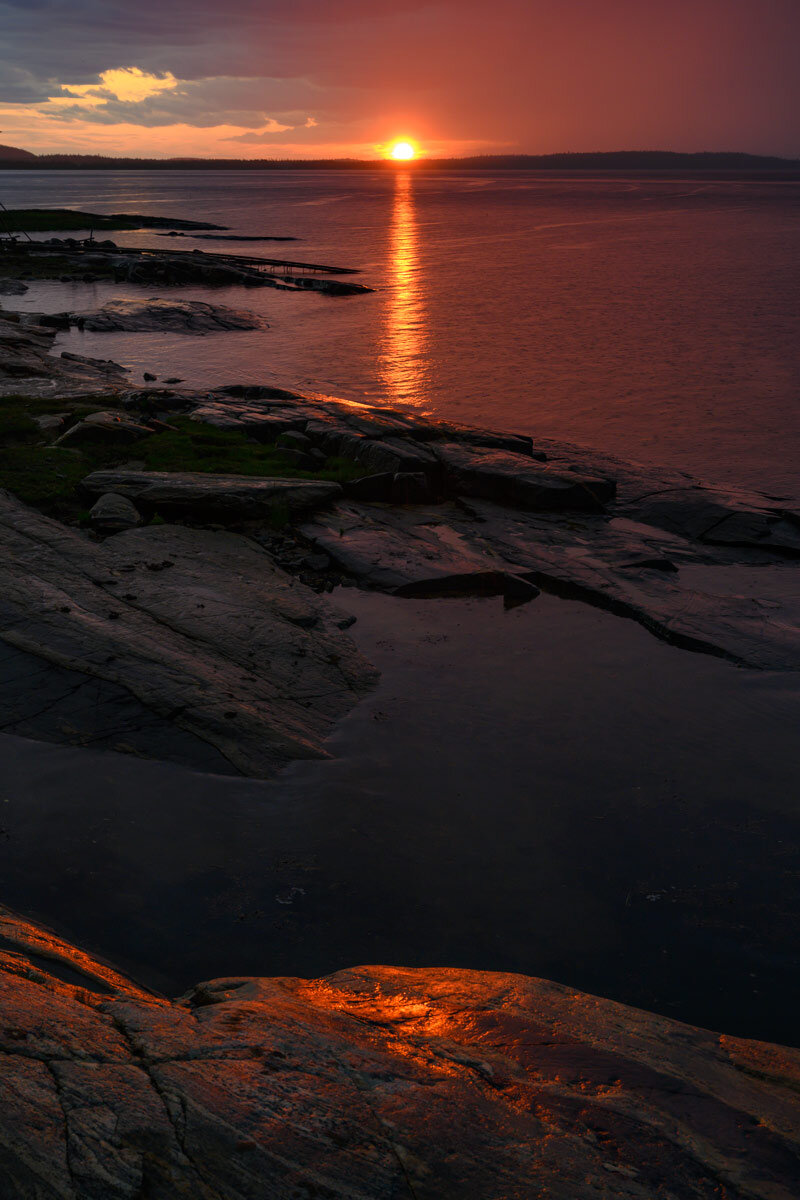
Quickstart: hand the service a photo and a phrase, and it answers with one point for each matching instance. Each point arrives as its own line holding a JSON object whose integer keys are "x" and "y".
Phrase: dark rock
{"x": 371, "y": 487}
{"x": 242, "y": 391}
{"x": 225, "y": 497}
{"x": 173, "y": 379}
{"x": 112, "y": 514}
{"x": 12, "y": 287}
{"x": 410, "y": 487}
{"x": 148, "y": 378}
{"x": 104, "y": 428}
{"x": 169, "y": 316}
{"x": 56, "y": 320}
{"x": 292, "y": 439}
{"x": 516, "y": 480}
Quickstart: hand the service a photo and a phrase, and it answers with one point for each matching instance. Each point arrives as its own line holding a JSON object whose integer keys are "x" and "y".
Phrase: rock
{"x": 168, "y": 316}
{"x": 223, "y": 497}
{"x": 398, "y": 455}
{"x": 371, "y": 487}
{"x": 291, "y": 439}
{"x": 112, "y": 514}
{"x": 373, "y": 1084}
{"x": 50, "y": 423}
{"x": 173, "y": 379}
{"x": 204, "y": 625}
{"x": 27, "y": 365}
{"x": 410, "y": 487}
{"x": 516, "y": 480}
{"x": 12, "y": 287}
{"x": 61, "y": 320}
{"x": 148, "y": 378}
{"x": 104, "y": 428}
{"x": 317, "y": 562}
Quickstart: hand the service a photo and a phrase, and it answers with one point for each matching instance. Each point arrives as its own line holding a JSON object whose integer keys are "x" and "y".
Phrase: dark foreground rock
{"x": 200, "y": 629}
{"x": 373, "y": 1084}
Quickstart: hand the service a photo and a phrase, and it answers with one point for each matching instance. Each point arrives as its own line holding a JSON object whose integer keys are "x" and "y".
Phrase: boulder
{"x": 112, "y": 514}
{"x": 12, "y": 287}
{"x": 375, "y": 1083}
{"x": 221, "y": 497}
{"x": 50, "y": 423}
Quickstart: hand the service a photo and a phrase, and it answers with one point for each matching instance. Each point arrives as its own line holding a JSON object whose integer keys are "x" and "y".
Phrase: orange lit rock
{"x": 376, "y": 1083}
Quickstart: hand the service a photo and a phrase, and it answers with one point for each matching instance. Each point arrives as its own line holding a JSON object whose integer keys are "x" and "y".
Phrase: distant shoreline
{"x": 656, "y": 162}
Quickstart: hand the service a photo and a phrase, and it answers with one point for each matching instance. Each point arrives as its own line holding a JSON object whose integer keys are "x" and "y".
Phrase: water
{"x": 655, "y": 319}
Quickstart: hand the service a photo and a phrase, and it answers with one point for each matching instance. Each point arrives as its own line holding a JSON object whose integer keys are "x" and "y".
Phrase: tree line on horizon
{"x": 643, "y": 160}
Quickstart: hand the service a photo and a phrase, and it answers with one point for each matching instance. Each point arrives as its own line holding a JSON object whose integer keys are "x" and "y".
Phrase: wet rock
{"x": 167, "y": 316}
{"x": 12, "y": 287}
{"x": 148, "y": 378}
{"x": 223, "y": 497}
{"x": 372, "y": 1084}
{"x": 112, "y": 514}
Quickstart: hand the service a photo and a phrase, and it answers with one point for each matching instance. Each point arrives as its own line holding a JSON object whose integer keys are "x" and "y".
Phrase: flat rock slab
{"x": 373, "y": 1084}
{"x": 223, "y": 497}
{"x": 518, "y": 480}
{"x": 166, "y": 316}
{"x": 200, "y": 628}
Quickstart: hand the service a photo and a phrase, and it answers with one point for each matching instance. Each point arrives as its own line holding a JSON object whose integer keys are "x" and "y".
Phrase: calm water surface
{"x": 654, "y": 319}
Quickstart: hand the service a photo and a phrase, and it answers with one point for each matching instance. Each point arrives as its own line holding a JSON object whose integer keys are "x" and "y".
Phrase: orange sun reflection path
{"x": 403, "y": 355}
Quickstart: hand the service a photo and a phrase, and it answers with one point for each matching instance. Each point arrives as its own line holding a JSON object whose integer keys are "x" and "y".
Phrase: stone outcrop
{"x": 219, "y": 497}
{"x": 373, "y": 1084}
{"x": 28, "y": 366}
{"x": 197, "y": 629}
{"x": 165, "y": 316}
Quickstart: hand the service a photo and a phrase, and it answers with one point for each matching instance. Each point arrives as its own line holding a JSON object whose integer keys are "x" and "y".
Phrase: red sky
{"x": 255, "y": 78}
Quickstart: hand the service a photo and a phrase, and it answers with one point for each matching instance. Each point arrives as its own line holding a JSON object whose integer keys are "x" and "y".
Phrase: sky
{"x": 323, "y": 78}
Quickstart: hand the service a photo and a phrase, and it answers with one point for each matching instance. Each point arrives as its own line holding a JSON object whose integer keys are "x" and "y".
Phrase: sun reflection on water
{"x": 403, "y": 355}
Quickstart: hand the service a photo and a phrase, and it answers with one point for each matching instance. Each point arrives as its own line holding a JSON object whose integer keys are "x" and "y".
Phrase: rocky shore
{"x": 166, "y": 562}
{"x": 373, "y": 1084}
{"x": 156, "y": 593}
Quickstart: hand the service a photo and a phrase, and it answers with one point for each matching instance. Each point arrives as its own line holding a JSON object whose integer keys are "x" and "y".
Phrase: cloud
{"x": 683, "y": 74}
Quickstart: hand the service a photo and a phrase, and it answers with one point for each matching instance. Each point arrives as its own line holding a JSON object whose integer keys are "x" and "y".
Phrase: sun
{"x": 403, "y": 151}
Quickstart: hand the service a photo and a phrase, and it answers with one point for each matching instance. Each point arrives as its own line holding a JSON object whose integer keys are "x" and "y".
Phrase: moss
{"x": 49, "y": 477}
{"x": 195, "y": 447}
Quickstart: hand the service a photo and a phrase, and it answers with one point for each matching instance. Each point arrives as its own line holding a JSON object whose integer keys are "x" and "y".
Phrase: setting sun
{"x": 403, "y": 151}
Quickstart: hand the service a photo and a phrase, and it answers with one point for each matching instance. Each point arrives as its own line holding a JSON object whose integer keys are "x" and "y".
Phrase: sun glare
{"x": 403, "y": 151}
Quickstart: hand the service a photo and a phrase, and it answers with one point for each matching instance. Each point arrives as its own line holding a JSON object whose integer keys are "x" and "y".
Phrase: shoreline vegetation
{"x": 656, "y": 161}
{"x": 167, "y": 558}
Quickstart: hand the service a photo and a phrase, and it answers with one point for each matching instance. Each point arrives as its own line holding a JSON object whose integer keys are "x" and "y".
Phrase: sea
{"x": 657, "y": 319}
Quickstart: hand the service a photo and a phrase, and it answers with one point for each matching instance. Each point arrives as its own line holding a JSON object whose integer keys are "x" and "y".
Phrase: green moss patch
{"x": 49, "y": 477}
